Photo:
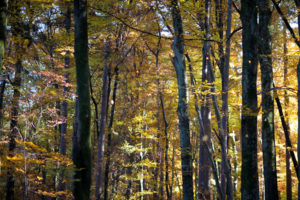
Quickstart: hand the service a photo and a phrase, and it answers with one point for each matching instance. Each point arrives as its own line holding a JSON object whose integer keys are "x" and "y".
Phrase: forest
{"x": 149, "y": 99}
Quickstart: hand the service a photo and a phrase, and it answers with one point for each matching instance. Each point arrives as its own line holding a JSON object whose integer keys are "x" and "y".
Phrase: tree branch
{"x": 147, "y": 32}
{"x": 287, "y": 24}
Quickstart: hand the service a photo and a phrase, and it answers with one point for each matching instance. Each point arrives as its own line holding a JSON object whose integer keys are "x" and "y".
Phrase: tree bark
{"x": 14, "y": 131}
{"x": 14, "y": 113}
{"x": 64, "y": 107}
{"x": 205, "y": 143}
{"x": 2, "y": 90}
{"x": 183, "y": 115}
{"x": 109, "y": 139}
{"x": 205, "y": 134}
{"x": 226, "y": 180}
{"x": 286, "y": 103}
{"x": 250, "y": 186}
{"x": 268, "y": 137}
{"x": 3, "y": 22}
{"x": 168, "y": 187}
{"x": 219, "y": 21}
{"x": 225, "y": 161}
{"x": 103, "y": 116}
{"x": 286, "y": 130}
{"x": 82, "y": 158}
{"x": 297, "y": 2}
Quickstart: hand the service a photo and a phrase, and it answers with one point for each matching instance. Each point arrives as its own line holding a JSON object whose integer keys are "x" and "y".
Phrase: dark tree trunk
{"x": 205, "y": 134}
{"x": 205, "y": 143}
{"x": 103, "y": 116}
{"x": 225, "y": 161}
{"x": 3, "y": 22}
{"x": 250, "y": 186}
{"x": 219, "y": 19}
{"x": 82, "y": 157}
{"x": 225, "y": 88}
{"x": 14, "y": 131}
{"x": 226, "y": 180}
{"x": 286, "y": 103}
{"x": 64, "y": 107}
{"x": 109, "y": 139}
{"x": 297, "y": 2}
{"x": 268, "y": 137}
{"x": 286, "y": 130}
{"x": 14, "y": 113}
{"x": 168, "y": 187}
{"x": 183, "y": 115}
{"x": 2, "y": 90}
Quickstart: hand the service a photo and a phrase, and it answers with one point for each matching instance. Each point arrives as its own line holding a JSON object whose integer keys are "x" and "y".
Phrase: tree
{"x": 250, "y": 187}
{"x": 82, "y": 153}
{"x": 3, "y": 21}
{"x": 14, "y": 130}
{"x": 205, "y": 134}
{"x": 226, "y": 180}
{"x": 297, "y": 2}
{"x": 103, "y": 117}
{"x": 183, "y": 115}
{"x": 286, "y": 103}
{"x": 64, "y": 107}
{"x": 268, "y": 137}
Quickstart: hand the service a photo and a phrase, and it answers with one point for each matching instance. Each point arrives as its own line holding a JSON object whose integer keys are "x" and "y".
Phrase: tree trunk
{"x": 286, "y": 103}
{"x": 250, "y": 186}
{"x": 82, "y": 158}
{"x": 14, "y": 131}
{"x": 109, "y": 139}
{"x": 2, "y": 90}
{"x": 64, "y": 107}
{"x": 168, "y": 187}
{"x": 14, "y": 113}
{"x": 226, "y": 180}
{"x": 3, "y": 22}
{"x": 205, "y": 143}
{"x": 297, "y": 2}
{"x": 286, "y": 130}
{"x": 183, "y": 115}
{"x": 103, "y": 116}
{"x": 205, "y": 134}
{"x": 219, "y": 19}
{"x": 268, "y": 137}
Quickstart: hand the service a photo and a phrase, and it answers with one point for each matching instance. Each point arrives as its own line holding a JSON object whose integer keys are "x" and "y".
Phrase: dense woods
{"x": 149, "y": 99}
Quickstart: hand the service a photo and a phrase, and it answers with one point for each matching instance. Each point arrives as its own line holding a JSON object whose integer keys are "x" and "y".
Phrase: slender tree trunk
{"x": 225, "y": 88}
{"x": 226, "y": 180}
{"x": 250, "y": 186}
{"x": 205, "y": 134}
{"x": 109, "y": 139}
{"x": 297, "y": 2}
{"x": 14, "y": 113}
{"x": 64, "y": 108}
{"x": 3, "y": 22}
{"x": 14, "y": 131}
{"x": 82, "y": 158}
{"x": 205, "y": 143}
{"x": 268, "y": 137}
{"x": 183, "y": 115}
{"x": 168, "y": 189}
{"x": 219, "y": 19}
{"x": 103, "y": 116}
{"x": 286, "y": 130}
{"x": 2, "y": 90}
{"x": 286, "y": 103}
{"x": 235, "y": 167}
{"x": 225, "y": 161}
